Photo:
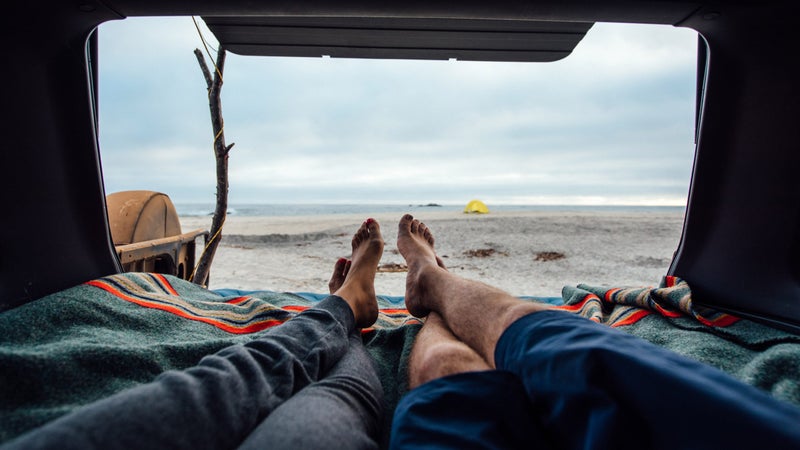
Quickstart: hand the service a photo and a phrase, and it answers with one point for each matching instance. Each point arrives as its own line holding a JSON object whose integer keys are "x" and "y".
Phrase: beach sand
{"x": 524, "y": 253}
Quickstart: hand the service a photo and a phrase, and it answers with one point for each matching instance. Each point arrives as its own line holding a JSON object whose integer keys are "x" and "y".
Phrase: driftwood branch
{"x": 214, "y": 86}
{"x": 202, "y": 61}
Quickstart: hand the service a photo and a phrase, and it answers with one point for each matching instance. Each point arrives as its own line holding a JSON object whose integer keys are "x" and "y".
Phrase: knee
{"x": 443, "y": 359}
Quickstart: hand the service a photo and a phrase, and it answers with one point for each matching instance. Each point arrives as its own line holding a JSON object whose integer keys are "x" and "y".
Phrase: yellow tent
{"x": 476, "y": 206}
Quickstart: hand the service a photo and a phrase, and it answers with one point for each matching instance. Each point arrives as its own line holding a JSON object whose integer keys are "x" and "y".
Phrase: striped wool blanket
{"x": 759, "y": 355}
{"x": 85, "y": 343}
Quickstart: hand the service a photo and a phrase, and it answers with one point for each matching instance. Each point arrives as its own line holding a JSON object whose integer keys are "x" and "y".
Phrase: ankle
{"x": 427, "y": 281}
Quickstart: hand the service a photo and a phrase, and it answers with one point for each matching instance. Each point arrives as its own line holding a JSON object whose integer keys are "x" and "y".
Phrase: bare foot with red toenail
{"x": 358, "y": 286}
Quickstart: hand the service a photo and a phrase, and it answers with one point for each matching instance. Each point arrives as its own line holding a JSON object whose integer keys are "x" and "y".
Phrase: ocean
{"x": 277, "y": 210}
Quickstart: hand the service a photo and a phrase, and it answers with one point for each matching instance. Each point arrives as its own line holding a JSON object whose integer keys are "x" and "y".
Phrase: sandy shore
{"x": 528, "y": 253}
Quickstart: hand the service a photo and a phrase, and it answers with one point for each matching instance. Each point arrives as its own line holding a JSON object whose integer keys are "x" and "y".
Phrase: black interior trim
{"x": 403, "y": 38}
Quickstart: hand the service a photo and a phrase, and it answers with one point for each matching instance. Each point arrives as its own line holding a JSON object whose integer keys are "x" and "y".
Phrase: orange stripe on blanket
{"x": 667, "y": 313}
{"x": 723, "y": 321}
{"x": 409, "y": 321}
{"x": 251, "y": 328}
{"x": 227, "y": 318}
{"x": 297, "y": 308}
{"x": 577, "y": 306}
{"x": 395, "y": 311}
{"x": 165, "y": 284}
{"x": 631, "y": 319}
{"x": 610, "y": 293}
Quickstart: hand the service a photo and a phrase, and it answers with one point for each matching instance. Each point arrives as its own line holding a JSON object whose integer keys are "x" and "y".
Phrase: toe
{"x": 415, "y": 226}
{"x": 339, "y": 267}
{"x": 373, "y": 226}
{"x": 361, "y": 234}
{"x": 339, "y": 274}
{"x": 423, "y": 229}
{"x": 404, "y": 226}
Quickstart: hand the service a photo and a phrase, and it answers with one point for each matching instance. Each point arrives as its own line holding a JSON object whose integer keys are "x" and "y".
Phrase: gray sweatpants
{"x": 308, "y": 383}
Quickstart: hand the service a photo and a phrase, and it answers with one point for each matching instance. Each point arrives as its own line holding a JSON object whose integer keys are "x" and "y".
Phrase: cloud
{"x": 611, "y": 122}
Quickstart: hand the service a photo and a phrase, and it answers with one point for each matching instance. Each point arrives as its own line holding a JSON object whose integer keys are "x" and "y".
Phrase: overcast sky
{"x": 612, "y": 123}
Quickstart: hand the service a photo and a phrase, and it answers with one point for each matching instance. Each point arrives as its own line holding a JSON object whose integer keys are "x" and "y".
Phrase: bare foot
{"x": 340, "y": 270}
{"x": 358, "y": 288}
{"x": 415, "y": 242}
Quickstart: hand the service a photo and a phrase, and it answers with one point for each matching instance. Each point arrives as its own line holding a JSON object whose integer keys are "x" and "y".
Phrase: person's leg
{"x": 437, "y": 353}
{"x": 475, "y": 312}
{"x": 589, "y": 383}
{"x": 485, "y": 409}
{"x": 342, "y": 409}
{"x": 592, "y": 383}
{"x": 217, "y": 403}
{"x": 445, "y": 374}
{"x": 456, "y": 400}
{"x": 358, "y": 288}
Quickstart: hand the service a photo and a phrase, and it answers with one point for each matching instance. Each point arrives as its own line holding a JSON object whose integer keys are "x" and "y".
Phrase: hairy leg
{"x": 476, "y": 313}
{"x": 438, "y": 353}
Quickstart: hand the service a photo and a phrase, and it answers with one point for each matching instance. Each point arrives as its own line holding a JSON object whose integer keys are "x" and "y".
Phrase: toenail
{"x": 370, "y": 221}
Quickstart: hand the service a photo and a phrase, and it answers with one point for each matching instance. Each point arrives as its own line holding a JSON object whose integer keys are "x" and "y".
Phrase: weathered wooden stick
{"x": 221, "y": 150}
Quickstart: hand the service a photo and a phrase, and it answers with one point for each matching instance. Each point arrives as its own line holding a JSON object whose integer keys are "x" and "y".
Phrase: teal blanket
{"x": 85, "y": 343}
{"x": 759, "y": 355}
